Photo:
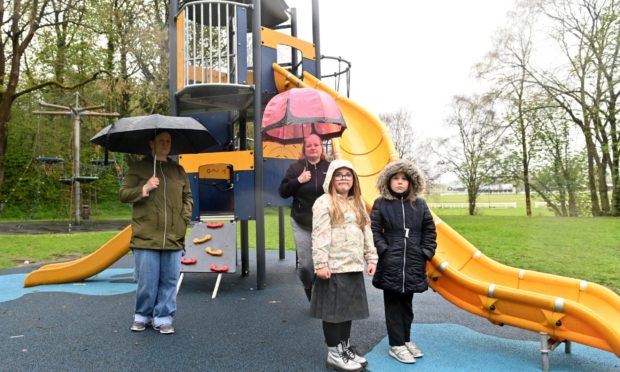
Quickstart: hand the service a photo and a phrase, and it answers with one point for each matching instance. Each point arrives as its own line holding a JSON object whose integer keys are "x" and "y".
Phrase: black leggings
{"x": 336, "y": 332}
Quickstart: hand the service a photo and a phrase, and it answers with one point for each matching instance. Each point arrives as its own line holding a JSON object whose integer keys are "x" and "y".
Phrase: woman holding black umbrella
{"x": 162, "y": 207}
{"x": 304, "y": 182}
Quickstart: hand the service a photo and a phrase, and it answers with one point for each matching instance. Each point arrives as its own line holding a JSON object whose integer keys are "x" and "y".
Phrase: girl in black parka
{"x": 405, "y": 238}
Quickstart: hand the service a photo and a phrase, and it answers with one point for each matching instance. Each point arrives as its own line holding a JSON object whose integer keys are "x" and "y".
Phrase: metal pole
{"x": 76, "y": 158}
{"x": 294, "y": 60}
{"x": 316, "y": 36}
{"x": 172, "y": 56}
{"x": 258, "y": 147}
{"x": 245, "y": 246}
{"x": 281, "y": 235}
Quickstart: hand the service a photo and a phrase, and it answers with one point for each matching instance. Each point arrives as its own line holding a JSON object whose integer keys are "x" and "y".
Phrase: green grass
{"x": 583, "y": 248}
{"x": 48, "y": 247}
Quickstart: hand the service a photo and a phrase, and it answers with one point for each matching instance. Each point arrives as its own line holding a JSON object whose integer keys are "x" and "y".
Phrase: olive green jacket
{"x": 165, "y": 212}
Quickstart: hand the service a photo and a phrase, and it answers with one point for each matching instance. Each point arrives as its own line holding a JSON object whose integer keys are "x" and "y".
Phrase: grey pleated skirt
{"x": 340, "y": 298}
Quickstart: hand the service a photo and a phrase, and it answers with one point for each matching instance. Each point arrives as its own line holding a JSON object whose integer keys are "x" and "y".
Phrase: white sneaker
{"x": 402, "y": 354}
{"x": 338, "y": 359}
{"x": 352, "y": 353}
{"x": 165, "y": 329}
{"x": 414, "y": 349}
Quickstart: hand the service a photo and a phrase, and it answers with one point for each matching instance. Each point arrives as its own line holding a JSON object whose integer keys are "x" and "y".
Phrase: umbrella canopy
{"x": 293, "y": 115}
{"x": 132, "y": 134}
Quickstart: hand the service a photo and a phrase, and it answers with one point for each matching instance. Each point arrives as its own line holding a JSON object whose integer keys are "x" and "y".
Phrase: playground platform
{"x": 85, "y": 327}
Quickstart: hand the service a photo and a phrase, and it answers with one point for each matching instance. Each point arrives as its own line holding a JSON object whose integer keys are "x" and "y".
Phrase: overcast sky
{"x": 411, "y": 54}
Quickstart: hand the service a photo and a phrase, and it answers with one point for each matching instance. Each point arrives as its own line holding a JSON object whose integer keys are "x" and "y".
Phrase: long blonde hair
{"x": 353, "y": 200}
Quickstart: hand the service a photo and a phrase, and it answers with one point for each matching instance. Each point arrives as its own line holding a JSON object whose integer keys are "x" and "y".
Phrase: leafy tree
{"x": 474, "y": 152}
{"x": 586, "y": 87}
{"x": 559, "y": 170}
{"x": 507, "y": 67}
{"x": 22, "y": 21}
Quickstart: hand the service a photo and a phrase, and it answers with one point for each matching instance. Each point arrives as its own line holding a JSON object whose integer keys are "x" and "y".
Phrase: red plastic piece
{"x": 188, "y": 261}
{"x": 221, "y": 269}
{"x": 215, "y": 225}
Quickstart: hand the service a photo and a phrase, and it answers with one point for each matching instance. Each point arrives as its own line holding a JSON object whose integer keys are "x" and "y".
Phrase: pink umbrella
{"x": 293, "y": 115}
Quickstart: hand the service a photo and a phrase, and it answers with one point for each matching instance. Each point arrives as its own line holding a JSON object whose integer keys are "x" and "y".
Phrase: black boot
{"x": 308, "y": 293}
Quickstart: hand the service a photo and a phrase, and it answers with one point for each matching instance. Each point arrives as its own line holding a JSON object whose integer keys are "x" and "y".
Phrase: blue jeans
{"x": 157, "y": 273}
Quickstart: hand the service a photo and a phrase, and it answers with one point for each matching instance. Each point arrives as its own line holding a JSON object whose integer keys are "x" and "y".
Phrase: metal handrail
{"x": 339, "y": 73}
{"x": 207, "y": 60}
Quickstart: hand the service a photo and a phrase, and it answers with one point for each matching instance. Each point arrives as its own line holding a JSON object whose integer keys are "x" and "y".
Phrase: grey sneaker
{"x": 402, "y": 354}
{"x": 138, "y": 326}
{"x": 414, "y": 349}
{"x": 165, "y": 329}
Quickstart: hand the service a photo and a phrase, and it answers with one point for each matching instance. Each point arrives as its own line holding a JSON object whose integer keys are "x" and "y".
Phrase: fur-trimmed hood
{"x": 336, "y": 164}
{"x": 417, "y": 182}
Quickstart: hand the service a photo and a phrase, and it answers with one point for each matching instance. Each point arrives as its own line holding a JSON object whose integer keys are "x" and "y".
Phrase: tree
{"x": 586, "y": 88}
{"x": 21, "y": 21}
{"x": 473, "y": 153}
{"x": 507, "y": 67}
{"x": 407, "y": 144}
{"x": 558, "y": 170}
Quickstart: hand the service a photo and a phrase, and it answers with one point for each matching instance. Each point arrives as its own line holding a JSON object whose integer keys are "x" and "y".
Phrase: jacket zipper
{"x": 163, "y": 175}
{"x": 402, "y": 204}
{"x": 315, "y": 180}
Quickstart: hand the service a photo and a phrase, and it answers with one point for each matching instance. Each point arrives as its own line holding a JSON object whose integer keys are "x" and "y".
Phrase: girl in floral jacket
{"x": 341, "y": 242}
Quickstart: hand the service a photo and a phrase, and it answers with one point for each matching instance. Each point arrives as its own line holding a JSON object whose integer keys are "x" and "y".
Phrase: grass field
{"x": 583, "y": 248}
{"x": 489, "y": 198}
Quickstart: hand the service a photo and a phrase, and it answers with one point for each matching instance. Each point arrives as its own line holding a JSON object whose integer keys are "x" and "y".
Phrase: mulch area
{"x": 59, "y": 227}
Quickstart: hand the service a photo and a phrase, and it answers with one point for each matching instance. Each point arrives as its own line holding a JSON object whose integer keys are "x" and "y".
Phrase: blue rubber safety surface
{"x": 452, "y": 347}
{"x": 85, "y": 327}
{"x": 107, "y": 283}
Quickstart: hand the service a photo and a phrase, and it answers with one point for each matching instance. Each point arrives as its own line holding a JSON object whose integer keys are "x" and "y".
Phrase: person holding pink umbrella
{"x": 304, "y": 182}
{"x": 309, "y": 116}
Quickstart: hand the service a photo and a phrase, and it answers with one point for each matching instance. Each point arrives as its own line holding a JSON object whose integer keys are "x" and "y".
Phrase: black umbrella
{"x": 132, "y": 134}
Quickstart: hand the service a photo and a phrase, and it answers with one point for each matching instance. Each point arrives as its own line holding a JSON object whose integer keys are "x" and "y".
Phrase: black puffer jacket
{"x": 304, "y": 194}
{"x": 402, "y": 259}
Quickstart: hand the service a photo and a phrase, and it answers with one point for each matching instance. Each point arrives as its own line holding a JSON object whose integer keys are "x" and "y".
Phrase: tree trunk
{"x": 602, "y": 186}
{"x": 590, "y": 149}
{"x": 524, "y": 160}
{"x": 471, "y": 201}
{"x": 572, "y": 203}
{"x": 3, "y": 142}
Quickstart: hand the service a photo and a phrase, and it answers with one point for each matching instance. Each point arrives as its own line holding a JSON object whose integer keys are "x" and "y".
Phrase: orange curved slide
{"x": 564, "y": 308}
{"x": 85, "y": 267}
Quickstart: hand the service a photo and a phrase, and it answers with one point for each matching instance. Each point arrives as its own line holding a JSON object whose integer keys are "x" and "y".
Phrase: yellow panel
{"x": 180, "y": 60}
{"x": 195, "y": 73}
{"x": 272, "y": 39}
{"x": 218, "y": 171}
{"x": 280, "y": 151}
{"x": 240, "y": 160}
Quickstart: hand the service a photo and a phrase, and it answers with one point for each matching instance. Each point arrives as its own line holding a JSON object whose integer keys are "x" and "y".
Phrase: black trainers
{"x": 138, "y": 326}
{"x": 165, "y": 329}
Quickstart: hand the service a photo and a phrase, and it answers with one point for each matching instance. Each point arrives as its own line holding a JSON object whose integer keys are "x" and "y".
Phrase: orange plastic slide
{"x": 85, "y": 267}
{"x": 564, "y": 308}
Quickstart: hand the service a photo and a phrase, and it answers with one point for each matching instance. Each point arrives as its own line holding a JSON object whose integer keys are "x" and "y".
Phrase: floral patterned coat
{"x": 341, "y": 248}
